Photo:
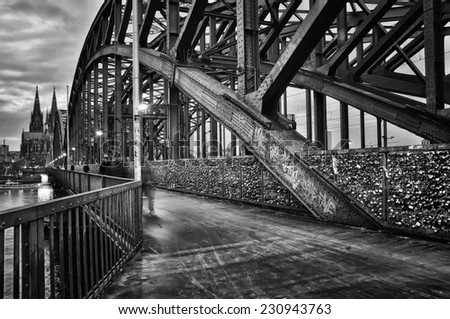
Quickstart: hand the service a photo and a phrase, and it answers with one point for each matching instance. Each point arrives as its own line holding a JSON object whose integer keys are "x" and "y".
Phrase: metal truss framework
{"x": 362, "y": 53}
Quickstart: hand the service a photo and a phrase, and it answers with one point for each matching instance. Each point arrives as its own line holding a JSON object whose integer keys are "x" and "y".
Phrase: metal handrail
{"x": 71, "y": 247}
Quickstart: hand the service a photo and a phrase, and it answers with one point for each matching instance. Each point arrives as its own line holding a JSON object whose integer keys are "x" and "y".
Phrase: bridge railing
{"x": 242, "y": 179}
{"x": 79, "y": 182}
{"x": 71, "y": 247}
{"x": 406, "y": 188}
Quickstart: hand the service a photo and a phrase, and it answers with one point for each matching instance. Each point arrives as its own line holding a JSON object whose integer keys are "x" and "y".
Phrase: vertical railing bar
{"x": 78, "y": 251}
{"x": 2, "y": 264}
{"x": 128, "y": 214}
{"x": 134, "y": 220}
{"x": 139, "y": 213}
{"x": 102, "y": 240}
{"x": 96, "y": 261}
{"x": 16, "y": 261}
{"x": 117, "y": 229}
{"x": 111, "y": 237}
{"x": 129, "y": 218}
{"x": 25, "y": 262}
{"x": 52, "y": 255}
{"x": 36, "y": 248}
{"x": 121, "y": 221}
{"x": 70, "y": 254}
{"x": 105, "y": 235}
{"x": 91, "y": 208}
{"x": 132, "y": 206}
{"x": 84, "y": 211}
{"x": 62, "y": 256}
{"x": 114, "y": 227}
{"x": 121, "y": 226}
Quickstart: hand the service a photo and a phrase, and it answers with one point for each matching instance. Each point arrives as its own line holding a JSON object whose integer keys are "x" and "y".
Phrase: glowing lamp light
{"x": 142, "y": 107}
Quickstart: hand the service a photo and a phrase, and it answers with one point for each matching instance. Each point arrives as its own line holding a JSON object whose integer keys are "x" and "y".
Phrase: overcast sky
{"x": 40, "y": 44}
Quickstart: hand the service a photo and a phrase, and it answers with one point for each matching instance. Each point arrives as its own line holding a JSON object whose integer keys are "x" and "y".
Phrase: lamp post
{"x": 67, "y": 160}
{"x": 99, "y": 134}
{"x": 136, "y": 94}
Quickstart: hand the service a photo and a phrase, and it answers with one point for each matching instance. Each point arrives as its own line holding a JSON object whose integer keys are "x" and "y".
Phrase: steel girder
{"x": 274, "y": 148}
{"x": 215, "y": 51}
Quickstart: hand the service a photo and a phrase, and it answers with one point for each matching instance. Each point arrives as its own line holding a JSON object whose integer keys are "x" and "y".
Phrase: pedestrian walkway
{"x": 203, "y": 248}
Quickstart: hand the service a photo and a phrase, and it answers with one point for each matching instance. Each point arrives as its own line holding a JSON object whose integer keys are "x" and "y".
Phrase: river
{"x": 15, "y": 199}
{"x": 22, "y": 197}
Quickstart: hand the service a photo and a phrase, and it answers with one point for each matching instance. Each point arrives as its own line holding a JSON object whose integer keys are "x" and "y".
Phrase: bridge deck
{"x": 201, "y": 248}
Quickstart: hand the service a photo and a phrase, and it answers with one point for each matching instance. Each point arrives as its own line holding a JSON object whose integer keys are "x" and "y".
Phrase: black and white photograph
{"x": 251, "y": 158}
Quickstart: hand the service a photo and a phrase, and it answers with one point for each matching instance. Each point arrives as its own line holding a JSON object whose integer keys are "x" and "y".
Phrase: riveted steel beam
{"x": 279, "y": 25}
{"x": 187, "y": 33}
{"x": 368, "y": 23}
{"x": 297, "y": 52}
{"x": 403, "y": 112}
{"x": 120, "y": 36}
{"x": 434, "y": 55}
{"x": 152, "y": 8}
{"x": 385, "y": 46}
{"x": 247, "y": 46}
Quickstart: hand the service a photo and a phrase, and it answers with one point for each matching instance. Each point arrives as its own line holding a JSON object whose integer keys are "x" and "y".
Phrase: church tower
{"x": 53, "y": 113}
{"x": 37, "y": 118}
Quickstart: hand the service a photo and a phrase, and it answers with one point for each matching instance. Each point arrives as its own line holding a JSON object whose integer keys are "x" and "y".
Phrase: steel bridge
{"x": 217, "y": 81}
{"x": 215, "y": 77}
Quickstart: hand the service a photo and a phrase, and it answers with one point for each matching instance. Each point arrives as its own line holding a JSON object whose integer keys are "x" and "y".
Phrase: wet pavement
{"x": 202, "y": 248}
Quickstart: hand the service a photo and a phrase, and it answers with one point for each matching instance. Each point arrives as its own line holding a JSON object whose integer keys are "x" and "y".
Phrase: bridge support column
{"x": 173, "y": 121}
{"x": 213, "y": 141}
{"x": 118, "y": 120}
{"x": 434, "y": 55}
{"x": 248, "y": 46}
{"x": 233, "y": 137}
{"x": 379, "y": 133}
{"x": 309, "y": 135}
{"x": 105, "y": 108}
{"x": 320, "y": 102}
{"x": 362, "y": 129}
{"x": 84, "y": 140}
{"x": 151, "y": 125}
{"x": 203, "y": 133}
{"x": 89, "y": 156}
{"x": 320, "y": 112}
{"x": 341, "y": 39}
{"x": 186, "y": 127}
{"x": 97, "y": 141}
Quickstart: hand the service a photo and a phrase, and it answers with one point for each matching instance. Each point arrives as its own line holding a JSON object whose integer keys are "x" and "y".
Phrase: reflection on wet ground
{"x": 202, "y": 248}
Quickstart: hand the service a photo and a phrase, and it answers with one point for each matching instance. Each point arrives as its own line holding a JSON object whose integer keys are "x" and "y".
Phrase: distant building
{"x": 36, "y": 143}
{"x": 4, "y": 152}
{"x": 4, "y": 149}
{"x": 37, "y": 119}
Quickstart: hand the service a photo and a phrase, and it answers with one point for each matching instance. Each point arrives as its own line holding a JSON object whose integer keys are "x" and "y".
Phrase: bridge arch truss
{"x": 217, "y": 74}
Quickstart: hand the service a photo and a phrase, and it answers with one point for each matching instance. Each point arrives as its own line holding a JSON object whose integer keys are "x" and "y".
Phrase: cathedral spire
{"x": 37, "y": 121}
{"x": 51, "y": 118}
{"x": 37, "y": 104}
{"x": 54, "y": 109}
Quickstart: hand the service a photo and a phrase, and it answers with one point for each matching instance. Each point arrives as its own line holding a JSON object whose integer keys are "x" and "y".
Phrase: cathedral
{"x": 36, "y": 147}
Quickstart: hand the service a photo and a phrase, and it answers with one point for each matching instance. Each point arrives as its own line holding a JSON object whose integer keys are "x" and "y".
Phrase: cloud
{"x": 41, "y": 41}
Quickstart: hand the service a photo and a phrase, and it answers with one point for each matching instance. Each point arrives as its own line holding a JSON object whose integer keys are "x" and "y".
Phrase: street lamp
{"x": 136, "y": 94}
